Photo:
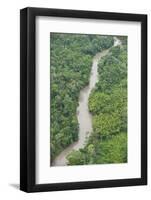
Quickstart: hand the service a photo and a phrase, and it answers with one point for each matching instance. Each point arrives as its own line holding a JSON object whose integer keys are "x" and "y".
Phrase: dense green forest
{"x": 70, "y": 64}
{"x": 108, "y": 105}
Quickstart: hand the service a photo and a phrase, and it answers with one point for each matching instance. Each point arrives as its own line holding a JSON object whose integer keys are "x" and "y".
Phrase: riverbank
{"x": 83, "y": 115}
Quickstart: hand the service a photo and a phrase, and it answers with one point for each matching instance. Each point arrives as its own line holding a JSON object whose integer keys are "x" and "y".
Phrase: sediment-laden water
{"x": 83, "y": 114}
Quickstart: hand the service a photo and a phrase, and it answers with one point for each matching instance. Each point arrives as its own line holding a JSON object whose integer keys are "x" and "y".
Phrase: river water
{"x": 83, "y": 114}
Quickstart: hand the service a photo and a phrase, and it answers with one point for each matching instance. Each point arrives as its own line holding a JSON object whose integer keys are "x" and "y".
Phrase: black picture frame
{"x": 28, "y": 99}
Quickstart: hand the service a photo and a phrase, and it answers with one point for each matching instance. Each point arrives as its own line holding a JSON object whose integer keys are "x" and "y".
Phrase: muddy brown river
{"x": 83, "y": 114}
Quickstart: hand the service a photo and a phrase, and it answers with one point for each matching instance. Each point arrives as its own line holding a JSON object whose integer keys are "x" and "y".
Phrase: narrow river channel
{"x": 83, "y": 114}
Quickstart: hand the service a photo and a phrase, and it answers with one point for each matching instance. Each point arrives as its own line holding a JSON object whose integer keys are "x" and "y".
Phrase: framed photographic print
{"x": 83, "y": 96}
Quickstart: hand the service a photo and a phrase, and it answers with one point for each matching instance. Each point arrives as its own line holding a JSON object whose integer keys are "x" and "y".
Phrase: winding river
{"x": 83, "y": 114}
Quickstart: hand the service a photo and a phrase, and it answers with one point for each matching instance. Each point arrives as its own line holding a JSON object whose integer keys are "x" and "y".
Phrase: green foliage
{"x": 108, "y": 105}
{"x": 76, "y": 157}
{"x": 71, "y": 61}
{"x": 113, "y": 150}
{"x": 98, "y": 101}
{"x": 106, "y": 124}
{"x": 102, "y": 151}
{"x": 123, "y": 39}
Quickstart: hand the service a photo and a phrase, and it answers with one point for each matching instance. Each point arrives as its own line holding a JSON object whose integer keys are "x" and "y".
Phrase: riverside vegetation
{"x": 71, "y": 61}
